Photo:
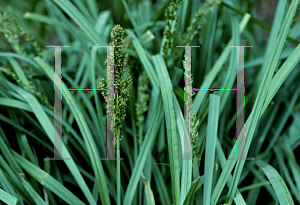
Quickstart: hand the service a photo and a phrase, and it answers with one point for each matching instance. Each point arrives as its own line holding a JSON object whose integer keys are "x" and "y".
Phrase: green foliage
{"x": 199, "y": 20}
{"x": 148, "y": 103}
{"x": 171, "y": 26}
{"x": 141, "y": 104}
{"x": 13, "y": 32}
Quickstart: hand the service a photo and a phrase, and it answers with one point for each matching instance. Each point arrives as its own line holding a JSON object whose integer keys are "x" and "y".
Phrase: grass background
{"x": 153, "y": 128}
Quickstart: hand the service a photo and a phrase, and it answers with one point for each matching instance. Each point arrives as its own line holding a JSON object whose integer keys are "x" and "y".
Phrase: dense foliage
{"x": 149, "y": 101}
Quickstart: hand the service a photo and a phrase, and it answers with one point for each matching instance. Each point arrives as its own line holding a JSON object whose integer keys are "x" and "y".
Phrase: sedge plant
{"x": 149, "y": 101}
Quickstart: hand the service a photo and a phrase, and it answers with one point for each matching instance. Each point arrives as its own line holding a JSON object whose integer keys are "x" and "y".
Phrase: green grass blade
{"x": 16, "y": 55}
{"x": 6, "y": 184}
{"x": 48, "y": 181}
{"x": 93, "y": 7}
{"x": 282, "y": 192}
{"x": 281, "y": 75}
{"x": 273, "y": 35}
{"x": 83, "y": 23}
{"x": 186, "y": 174}
{"x": 44, "y": 19}
{"x": 285, "y": 171}
{"x": 88, "y": 139}
{"x": 197, "y": 183}
{"x": 160, "y": 184}
{"x": 143, "y": 58}
{"x": 7, "y": 198}
{"x": 292, "y": 162}
{"x": 28, "y": 150}
{"x": 156, "y": 111}
{"x": 83, "y": 8}
{"x": 167, "y": 94}
{"x": 210, "y": 147}
{"x": 11, "y": 182}
{"x": 221, "y": 156}
{"x": 149, "y": 194}
{"x": 19, "y": 71}
{"x": 6, "y": 152}
{"x": 37, "y": 199}
{"x": 102, "y": 22}
{"x": 49, "y": 129}
{"x": 133, "y": 22}
{"x": 255, "y": 114}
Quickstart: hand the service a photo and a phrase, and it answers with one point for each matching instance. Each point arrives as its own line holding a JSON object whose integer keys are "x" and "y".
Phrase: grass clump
{"x": 149, "y": 99}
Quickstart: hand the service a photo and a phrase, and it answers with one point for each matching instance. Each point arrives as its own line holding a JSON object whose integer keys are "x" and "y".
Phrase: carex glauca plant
{"x": 122, "y": 84}
{"x": 122, "y": 79}
{"x": 153, "y": 133}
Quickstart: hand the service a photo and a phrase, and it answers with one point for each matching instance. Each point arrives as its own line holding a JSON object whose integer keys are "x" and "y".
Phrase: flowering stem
{"x": 118, "y": 169}
{"x": 140, "y": 135}
{"x": 118, "y": 165}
